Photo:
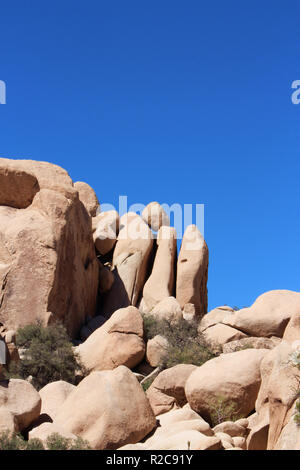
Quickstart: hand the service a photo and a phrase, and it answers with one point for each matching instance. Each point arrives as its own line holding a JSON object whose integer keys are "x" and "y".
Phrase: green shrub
{"x": 222, "y": 409}
{"x": 15, "y": 441}
{"x": 49, "y": 355}
{"x": 185, "y": 344}
{"x": 147, "y": 384}
{"x": 57, "y": 442}
{"x": 35, "y": 444}
{"x": 11, "y": 441}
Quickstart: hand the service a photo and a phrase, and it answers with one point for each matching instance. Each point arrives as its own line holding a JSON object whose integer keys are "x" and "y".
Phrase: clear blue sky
{"x": 174, "y": 101}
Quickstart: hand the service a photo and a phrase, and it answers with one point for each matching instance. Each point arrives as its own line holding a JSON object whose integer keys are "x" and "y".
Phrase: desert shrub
{"x": 34, "y": 444}
{"x": 57, "y": 442}
{"x": 222, "y": 410}
{"x": 11, "y": 441}
{"x": 15, "y": 441}
{"x": 185, "y": 344}
{"x": 147, "y": 384}
{"x": 48, "y": 357}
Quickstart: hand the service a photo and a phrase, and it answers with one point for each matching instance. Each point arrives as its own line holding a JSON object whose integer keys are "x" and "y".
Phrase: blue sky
{"x": 174, "y": 101}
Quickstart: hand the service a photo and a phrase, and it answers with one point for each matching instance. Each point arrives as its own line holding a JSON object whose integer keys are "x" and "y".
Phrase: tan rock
{"x": 232, "y": 378}
{"x": 167, "y": 390}
{"x": 44, "y": 224}
{"x": 107, "y": 229}
{"x": 168, "y": 309}
{"x": 292, "y": 331}
{"x": 137, "y": 446}
{"x": 221, "y": 334}
{"x": 187, "y": 440}
{"x": 106, "y": 279}
{"x": 10, "y": 336}
{"x": 289, "y": 438}
{"x": 231, "y": 428}
{"x": 155, "y": 216}
{"x": 226, "y": 440}
{"x": 192, "y": 269}
{"x": 22, "y": 400}
{"x": 45, "y": 430}
{"x": 181, "y": 414}
{"x": 88, "y": 198}
{"x": 214, "y": 317}
{"x": 282, "y": 390}
{"x": 8, "y": 422}
{"x": 268, "y": 316}
{"x": 244, "y": 422}
{"x": 239, "y": 442}
{"x": 161, "y": 283}
{"x": 132, "y": 255}
{"x": 258, "y": 435}
{"x": 165, "y": 432}
{"x": 251, "y": 342}
{"x": 118, "y": 342}
{"x": 53, "y": 396}
{"x": 156, "y": 350}
{"x": 112, "y": 421}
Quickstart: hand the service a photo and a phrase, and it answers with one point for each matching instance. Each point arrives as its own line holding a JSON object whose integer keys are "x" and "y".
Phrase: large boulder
{"x": 186, "y": 440}
{"x": 292, "y": 331}
{"x": 268, "y": 316}
{"x": 132, "y": 255}
{"x": 107, "y": 228}
{"x": 289, "y": 438}
{"x": 167, "y": 390}
{"x": 156, "y": 350}
{"x": 251, "y": 342}
{"x": 155, "y": 216}
{"x": 88, "y": 197}
{"x": 214, "y": 317}
{"x": 44, "y": 224}
{"x": 234, "y": 379}
{"x": 276, "y": 398}
{"x": 220, "y": 334}
{"x": 192, "y": 271}
{"x": 167, "y": 309}
{"x": 178, "y": 414}
{"x": 20, "y": 399}
{"x": 165, "y": 432}
{"x": 161, "y": 282}
{"x": 53, "y": 395}
{"x": 282, "y": 390}
{"x": 117, "y": 342}
{"x": 45, "y": 430}
{"x": 109, "y": 409}
{"x": 8, "y": 422}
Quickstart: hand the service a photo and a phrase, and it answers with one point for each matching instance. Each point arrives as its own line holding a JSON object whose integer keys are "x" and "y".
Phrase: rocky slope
{"x": 103, "y": 276}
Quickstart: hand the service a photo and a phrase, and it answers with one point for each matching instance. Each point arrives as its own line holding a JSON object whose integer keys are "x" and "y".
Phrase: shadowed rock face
{"x": 48, "y": 267}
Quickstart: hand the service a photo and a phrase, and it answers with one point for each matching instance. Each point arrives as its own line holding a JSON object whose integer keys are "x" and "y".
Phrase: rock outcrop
{"x": 44, "y": 224}
{"x": 192, "y": 271}
{"x": 161, "y": 282}
{"x": 117, "y": 342}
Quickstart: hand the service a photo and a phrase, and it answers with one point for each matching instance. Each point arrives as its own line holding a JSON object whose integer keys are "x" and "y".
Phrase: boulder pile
{"x": 118, "y": 285}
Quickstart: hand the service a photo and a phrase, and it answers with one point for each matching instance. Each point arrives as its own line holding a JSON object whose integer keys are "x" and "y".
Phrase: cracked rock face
{"x": 118, "y": 342}
{"x": 48, "y": 266}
